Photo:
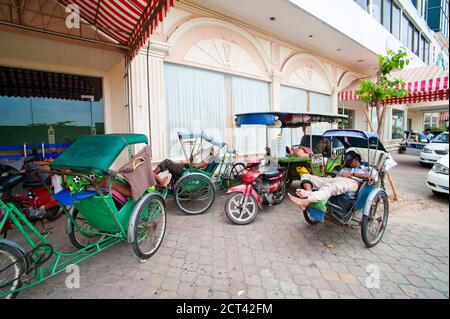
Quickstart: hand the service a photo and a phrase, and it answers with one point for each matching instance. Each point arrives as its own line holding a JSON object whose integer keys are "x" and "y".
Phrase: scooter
{"x": 37, "y": 204}
{"x": 260, "y": 187}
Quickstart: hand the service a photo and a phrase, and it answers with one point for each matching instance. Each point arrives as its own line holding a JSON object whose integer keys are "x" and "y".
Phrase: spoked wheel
{"x": 236, "y": 173}
{"x": 12, "y": 266}
{"x": 194, "y": 194}
{"x": 374, "y": 224}
{"x": 240, "y": 209}
{"x": 310, "y": 220}
{"x": 54, "y": 213}
{"x": 149, "y": 226}
{"x": 83, "y": 236}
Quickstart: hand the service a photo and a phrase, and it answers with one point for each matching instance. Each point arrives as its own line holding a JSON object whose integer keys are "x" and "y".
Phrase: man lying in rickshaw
{"x": 350, "y": 178}
{"x": 176, "y": 169}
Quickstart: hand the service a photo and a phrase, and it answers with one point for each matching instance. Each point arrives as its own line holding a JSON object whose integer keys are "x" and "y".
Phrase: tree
{"x": 385, "y": 87}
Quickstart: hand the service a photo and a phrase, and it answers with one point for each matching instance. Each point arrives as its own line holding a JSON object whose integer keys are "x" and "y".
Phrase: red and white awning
{"x": 424, "y": 84}
{"x": 129, "y": 22}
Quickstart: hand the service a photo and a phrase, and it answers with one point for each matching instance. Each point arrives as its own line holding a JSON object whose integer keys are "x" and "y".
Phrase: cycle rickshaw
{"x": 371, "y": 200}
{"x": 195, "y": 190}
{"x": 325, "y": 160}
{"x": 96, "y": 221}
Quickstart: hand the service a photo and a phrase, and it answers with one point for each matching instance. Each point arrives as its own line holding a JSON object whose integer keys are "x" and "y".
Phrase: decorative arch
{"x": 218, "y": 45}
{"x": 346, "y": 78}
{"x": 307, "y": 71}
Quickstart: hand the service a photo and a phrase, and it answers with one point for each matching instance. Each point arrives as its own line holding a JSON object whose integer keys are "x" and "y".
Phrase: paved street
{"x": 279, "y": 255}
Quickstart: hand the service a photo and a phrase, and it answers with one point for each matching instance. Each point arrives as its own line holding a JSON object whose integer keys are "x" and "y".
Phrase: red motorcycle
{"x": 37, "y": 204}
{"x": 260, "y": 187}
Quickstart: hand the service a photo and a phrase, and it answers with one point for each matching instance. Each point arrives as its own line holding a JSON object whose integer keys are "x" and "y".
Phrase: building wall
{"x": 39, "y": 52}
{"x": 196, "y": 39}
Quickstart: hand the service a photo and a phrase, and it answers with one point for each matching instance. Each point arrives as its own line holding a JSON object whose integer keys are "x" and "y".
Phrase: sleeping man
{"x": 349, "y": 179}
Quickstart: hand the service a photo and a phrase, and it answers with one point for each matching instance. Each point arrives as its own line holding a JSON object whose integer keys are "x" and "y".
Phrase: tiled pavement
{"x": 278, "y": 256}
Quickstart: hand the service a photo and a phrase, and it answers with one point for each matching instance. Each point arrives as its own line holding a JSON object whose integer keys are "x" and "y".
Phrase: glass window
{"x": 292, "y": 100}
{"x": 387, "y": 6}
{"x": 363, "y": 4}
{"x": 195, "y": 101}
{"x": 348, "y": 123}
{"x": 427, "y": 52}
{"x": 410, "y": 36}
{"x": 320, "y": 103}
{"x": 422, "y": 48}
{"x": 396, "y": 21}
{"x": 405, "y": 23}
{"x": 376, "y": 10}
{"x": 250, "y": 95}
{"x": 414, "y": 2}
{"x": 416, "y": 42}
{"x": 398, "y": 124}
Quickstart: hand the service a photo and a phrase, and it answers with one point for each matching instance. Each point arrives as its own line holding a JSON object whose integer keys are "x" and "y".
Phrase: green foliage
{"x": 386, "y": 87}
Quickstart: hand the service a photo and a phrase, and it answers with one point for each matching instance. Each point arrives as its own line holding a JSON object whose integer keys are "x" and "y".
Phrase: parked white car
{"x": 438, "y": 176}
{"x": 433, "y": 151}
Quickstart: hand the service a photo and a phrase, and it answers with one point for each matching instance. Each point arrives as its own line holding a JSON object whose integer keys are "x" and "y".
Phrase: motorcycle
{"x": 37, "y": 204}
{"x": 260, "y": 187}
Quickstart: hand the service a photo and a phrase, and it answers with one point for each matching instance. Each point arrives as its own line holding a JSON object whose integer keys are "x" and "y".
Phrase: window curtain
{"x": 195, "y": 101}
{"x": 292, "y": 100}
{"x": 249, "y": 95}
{"x": 320, "y": 103}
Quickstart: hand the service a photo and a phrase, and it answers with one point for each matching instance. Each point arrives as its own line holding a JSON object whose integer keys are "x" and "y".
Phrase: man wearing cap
{"x": 349, "y": 179}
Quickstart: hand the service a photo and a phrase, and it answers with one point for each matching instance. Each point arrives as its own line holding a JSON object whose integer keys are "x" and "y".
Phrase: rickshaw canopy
{"x": 356, "y": 138}
{"x": 284, "y": 119}
{"x": 96, "y": 152}
{"x": 189, "y": 135}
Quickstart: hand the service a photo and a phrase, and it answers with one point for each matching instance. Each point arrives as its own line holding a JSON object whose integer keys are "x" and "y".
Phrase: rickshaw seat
{"x": 351, "y": 195}
{"x": 66, "y": 198}
{"x": 270, "y": 173}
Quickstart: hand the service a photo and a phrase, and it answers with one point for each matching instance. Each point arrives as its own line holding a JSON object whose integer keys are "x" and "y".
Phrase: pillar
{"x": 147, "y": 96}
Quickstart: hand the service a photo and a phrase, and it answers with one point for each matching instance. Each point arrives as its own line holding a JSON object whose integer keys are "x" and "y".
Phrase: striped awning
{"x": 424, "y": 84}
{"x": 129, "y": 22}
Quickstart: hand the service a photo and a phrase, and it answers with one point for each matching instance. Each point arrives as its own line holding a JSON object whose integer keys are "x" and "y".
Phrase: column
{"x": 275, "y": 91}
{"x": 147, "y": 96}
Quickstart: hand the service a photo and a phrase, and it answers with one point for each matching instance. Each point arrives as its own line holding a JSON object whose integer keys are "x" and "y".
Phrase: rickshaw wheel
{"x": 308, "y": 218}
{"x": 374, "y": 225}
{"x": 81, "y": 240}
{"x": 149, "y": 227}
{"x": 54, "y": 213}
{"x": 12, "y": 266}
{"x": 234, "y": 209}
{"x": 194, "y": 194}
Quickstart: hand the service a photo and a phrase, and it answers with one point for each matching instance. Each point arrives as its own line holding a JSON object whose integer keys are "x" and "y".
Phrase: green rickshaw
{"x": 195, "y": 190}
{"x": 97, "y": 220}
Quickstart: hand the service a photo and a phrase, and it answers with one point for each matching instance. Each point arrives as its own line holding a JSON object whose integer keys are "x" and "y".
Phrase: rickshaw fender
{"x": 136, "y": 210}
{"x": 13, "y": 244}
{"x": 19, "y": 248}
{"x": 69, "y": 229}
{"x": 246, "y": 190}
{"x": 369, "y": 200}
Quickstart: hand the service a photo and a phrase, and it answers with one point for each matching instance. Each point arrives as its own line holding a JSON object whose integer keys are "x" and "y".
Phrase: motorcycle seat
{"x": 270, "y": 173}
{"x": 9, "y": 182}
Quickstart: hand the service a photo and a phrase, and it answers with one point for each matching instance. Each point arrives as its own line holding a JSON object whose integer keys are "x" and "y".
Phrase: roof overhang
{"x": 123, "y": 24}
{"x": 424, "y": 84}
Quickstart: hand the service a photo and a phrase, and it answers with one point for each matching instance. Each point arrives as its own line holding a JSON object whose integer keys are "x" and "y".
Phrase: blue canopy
{"x": 284, "y": 119}
{"x": 356, "y": 138}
